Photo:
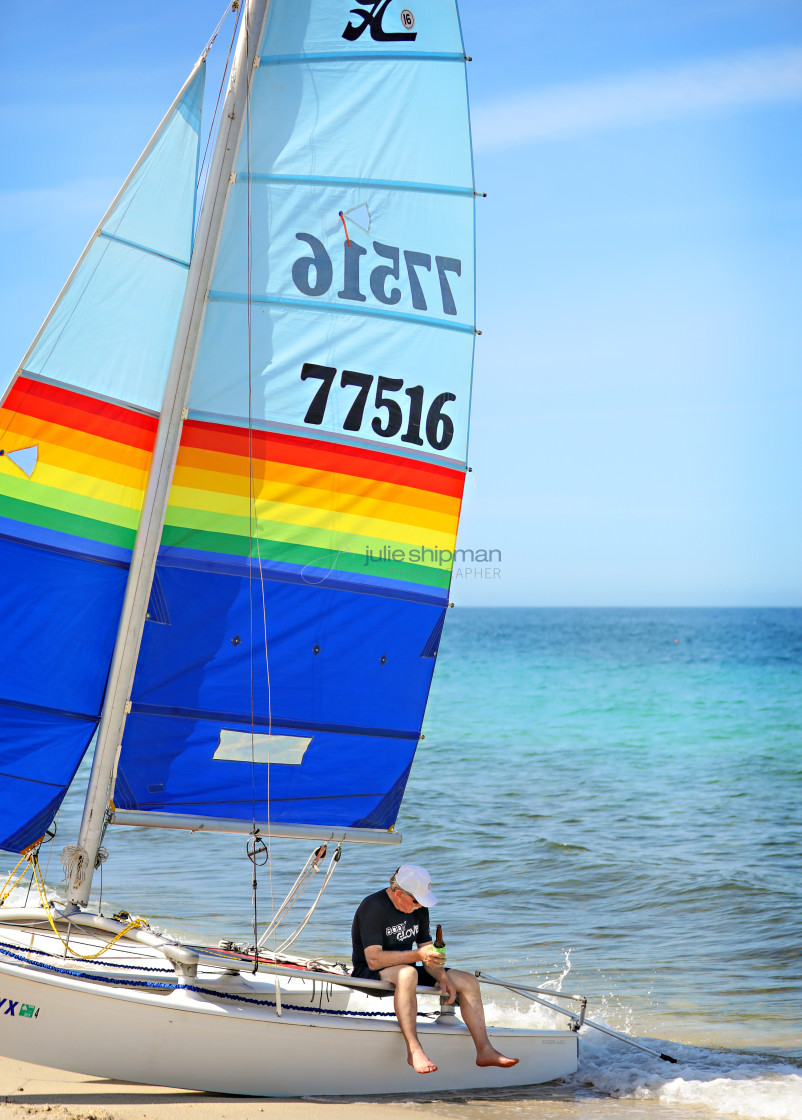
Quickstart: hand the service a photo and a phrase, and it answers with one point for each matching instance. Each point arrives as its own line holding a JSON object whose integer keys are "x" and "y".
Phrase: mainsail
{"x": 77, "y": 428}
{"x": 305, "y": 561}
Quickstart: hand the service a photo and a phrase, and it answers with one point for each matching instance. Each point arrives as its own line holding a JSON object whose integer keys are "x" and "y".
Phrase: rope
{"x": 253, "y": 515}
{"x": 157, "y": 986}
{"x": 117, "y": 964}
{"x": 295, "y": 892}
{"x": 133, "y": 924}
{"x": 73, "y": 858}
{"x": 335, "y": 859}
{"x": 234, "y": 8}
{"x": 5, "y": 893}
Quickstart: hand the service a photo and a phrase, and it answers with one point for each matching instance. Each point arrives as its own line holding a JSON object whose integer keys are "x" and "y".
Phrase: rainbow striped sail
{"x": 77, "y": 429}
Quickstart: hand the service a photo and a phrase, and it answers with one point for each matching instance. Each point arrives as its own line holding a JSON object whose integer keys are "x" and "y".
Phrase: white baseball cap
{"x": 415, "y": 879}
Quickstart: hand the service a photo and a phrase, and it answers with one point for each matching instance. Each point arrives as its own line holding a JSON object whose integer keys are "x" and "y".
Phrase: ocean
{"x": 608, "y": 802}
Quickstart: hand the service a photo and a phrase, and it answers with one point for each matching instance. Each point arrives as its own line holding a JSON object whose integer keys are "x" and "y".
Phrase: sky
{"x": 637, "y": 411}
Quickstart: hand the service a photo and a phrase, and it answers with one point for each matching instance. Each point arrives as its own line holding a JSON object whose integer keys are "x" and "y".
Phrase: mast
{"x": 143, "y": 561}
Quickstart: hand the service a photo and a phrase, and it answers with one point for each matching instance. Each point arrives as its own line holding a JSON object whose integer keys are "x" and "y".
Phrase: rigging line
{"x": 333, "y": 863}
{"x": 54, "y": 826}
{"x": 252, "y": 518}
{"x": 294, "y": 893}
{"x": 222, "y": 83}
{"x": 230, "y": 7}
{"x": 133, "y": 924}
{"x": 252, "y": 512}
{"x": 6, "y": 890}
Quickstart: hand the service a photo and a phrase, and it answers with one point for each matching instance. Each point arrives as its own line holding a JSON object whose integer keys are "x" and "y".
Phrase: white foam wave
{"x": 757, "y": 1087}
{"x": 729, "y": 1083}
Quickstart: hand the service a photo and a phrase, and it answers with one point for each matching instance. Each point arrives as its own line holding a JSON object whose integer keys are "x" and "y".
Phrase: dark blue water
{"x": 614, "y": 792}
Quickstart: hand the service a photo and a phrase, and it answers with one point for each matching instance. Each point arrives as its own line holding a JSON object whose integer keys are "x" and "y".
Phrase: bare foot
{"x": 420, "y": 1063}
{"x": 490, "y": 1057}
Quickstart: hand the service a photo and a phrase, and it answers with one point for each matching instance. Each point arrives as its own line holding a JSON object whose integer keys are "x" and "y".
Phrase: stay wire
{"x": 253, "y": 521}
{"x": 222, "y": 86}
{"x": 253, "y": 513}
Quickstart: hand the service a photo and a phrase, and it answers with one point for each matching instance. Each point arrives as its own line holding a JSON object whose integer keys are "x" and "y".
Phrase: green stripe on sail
{"x": 61, "y": 521}
{"x": 49, "y": 497}
{"x": 303, "y": 556}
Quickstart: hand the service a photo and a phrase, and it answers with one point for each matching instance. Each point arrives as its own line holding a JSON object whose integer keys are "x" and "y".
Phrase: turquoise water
{"x": 607, "y": 801}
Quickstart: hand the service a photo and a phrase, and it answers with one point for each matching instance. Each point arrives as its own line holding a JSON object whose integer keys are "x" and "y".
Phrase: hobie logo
{"x": 372, "y": 15}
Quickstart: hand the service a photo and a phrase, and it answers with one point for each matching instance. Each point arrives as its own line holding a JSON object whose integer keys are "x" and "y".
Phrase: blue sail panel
{"x": 346, "y": 672}
{"x": 60, "y": 616}
{"x": 34, "y": 781}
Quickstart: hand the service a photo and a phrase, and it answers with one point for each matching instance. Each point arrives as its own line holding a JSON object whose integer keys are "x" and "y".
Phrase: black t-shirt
{"x": 379, "y": 922}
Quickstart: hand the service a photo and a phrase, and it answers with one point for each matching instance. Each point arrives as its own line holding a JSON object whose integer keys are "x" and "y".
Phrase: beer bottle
{"x": 439, "y": 944}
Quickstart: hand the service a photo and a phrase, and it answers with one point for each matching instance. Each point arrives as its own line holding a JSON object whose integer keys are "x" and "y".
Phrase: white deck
{"x": 223, "y": 1032}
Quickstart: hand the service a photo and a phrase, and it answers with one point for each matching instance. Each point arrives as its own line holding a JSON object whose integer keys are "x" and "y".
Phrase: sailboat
{"x": 231, "y": 469}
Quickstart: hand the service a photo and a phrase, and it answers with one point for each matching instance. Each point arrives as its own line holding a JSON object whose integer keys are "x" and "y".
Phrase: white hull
{"x": 210, "y": 1041}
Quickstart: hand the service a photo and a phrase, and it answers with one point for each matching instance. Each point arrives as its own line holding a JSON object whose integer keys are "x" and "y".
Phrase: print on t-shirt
{"x": 402, "y": 932}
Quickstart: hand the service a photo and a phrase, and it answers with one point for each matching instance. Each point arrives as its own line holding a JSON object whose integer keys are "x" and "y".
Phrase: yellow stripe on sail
{"x": 307, "y": 506}
{"x": 216, "y": 478}
{"x": 346, "y": 534}
{"x": 43, "y": 492}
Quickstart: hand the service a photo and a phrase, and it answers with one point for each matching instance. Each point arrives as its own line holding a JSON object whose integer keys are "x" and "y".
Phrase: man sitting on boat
{"x": 383, "y": 932}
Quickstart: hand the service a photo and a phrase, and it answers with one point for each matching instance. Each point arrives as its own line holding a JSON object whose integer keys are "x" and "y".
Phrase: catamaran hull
{"x": 185, "y": 1040}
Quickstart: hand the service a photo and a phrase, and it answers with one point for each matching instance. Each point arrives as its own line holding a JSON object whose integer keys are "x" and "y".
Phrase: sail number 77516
{"x": 438, "y": 426}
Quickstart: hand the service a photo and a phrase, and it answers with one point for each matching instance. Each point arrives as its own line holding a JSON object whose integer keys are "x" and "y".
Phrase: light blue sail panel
{"x": 112, "y": 330}
{"x": 355, "y": 184}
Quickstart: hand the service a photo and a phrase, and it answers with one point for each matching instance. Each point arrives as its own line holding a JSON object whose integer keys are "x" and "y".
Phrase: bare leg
{"x": 404, "y": 978}
{"x": 470, "y": 1002}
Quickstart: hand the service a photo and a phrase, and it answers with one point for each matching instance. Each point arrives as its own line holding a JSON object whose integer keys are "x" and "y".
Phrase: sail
{"x": 77, "y": 428}
{"x": 307, "y": 548}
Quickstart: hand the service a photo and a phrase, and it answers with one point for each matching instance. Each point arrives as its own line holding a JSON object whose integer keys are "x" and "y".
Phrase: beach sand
{"x": 28, "y": 1090}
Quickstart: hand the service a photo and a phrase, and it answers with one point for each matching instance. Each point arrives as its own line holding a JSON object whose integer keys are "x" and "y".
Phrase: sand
{"x": 27, "y": 1090}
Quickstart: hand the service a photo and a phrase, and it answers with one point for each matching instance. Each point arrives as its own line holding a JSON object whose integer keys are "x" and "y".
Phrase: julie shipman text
{"x": 424, "y": 555}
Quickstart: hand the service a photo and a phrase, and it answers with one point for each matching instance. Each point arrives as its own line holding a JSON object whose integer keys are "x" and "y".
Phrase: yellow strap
{"x": 5, "y": 893}
{"x": 46, "y": 906}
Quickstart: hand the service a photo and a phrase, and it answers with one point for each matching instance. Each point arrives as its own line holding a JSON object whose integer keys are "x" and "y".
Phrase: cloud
{"x": 755, "y": 78}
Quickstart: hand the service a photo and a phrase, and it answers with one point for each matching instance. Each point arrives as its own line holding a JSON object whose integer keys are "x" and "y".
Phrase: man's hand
{"x": 447, "y": 987}
{"x": 431, "y": 959}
